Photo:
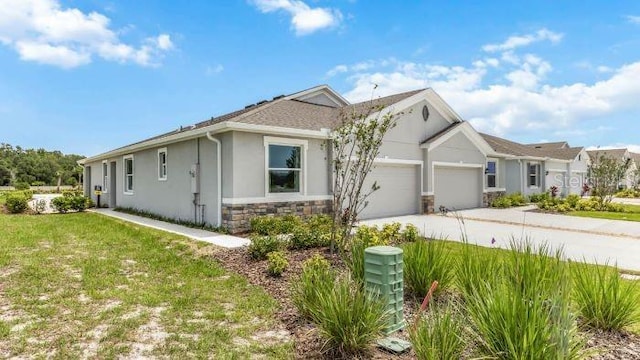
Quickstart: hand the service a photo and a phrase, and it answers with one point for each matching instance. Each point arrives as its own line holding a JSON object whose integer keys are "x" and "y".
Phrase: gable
{"x": 320, "y": 95}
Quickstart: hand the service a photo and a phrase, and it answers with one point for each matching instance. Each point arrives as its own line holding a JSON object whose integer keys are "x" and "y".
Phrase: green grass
{"x": 631, "y": 213}
{"x": 84, "y": 285}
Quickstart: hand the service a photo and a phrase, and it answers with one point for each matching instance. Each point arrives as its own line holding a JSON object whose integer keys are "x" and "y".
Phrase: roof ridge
{"x": 310, "y": 103}
{"x": 387, "y": 96}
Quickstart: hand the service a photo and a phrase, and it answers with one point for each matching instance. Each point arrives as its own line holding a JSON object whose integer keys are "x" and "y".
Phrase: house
{"x": 621, "y": 156}
{"x": 274, "y": 157}
{"x": 535, "y": 168}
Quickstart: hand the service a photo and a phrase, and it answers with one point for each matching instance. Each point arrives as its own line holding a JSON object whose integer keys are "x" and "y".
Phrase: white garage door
{"x": 457, "y": 188}
{"x": 399, "y": 192}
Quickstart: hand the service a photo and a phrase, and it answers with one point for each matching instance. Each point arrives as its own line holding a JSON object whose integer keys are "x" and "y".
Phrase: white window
{"x": 105, "y": 176}
{"x": 533, "y": 173}
{"x": 128, "y": 170}
{"x": 492, "y": 171}
{"x": 162, "y": 164}
{"x": 285, "y": 165}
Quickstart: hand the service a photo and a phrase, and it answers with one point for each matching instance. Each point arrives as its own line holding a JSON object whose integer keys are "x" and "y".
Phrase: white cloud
{"x": 633, "y": 19}
{"x": 213, "y": 70}
{"x": 304, "y": 19}
{"x": 518, "y": 101}
{"x": 517, "y": 41}
{"x": 43, "y": 31}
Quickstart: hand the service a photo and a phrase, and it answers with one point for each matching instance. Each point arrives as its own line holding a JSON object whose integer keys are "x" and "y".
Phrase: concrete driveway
{"x": 594, "y": 240}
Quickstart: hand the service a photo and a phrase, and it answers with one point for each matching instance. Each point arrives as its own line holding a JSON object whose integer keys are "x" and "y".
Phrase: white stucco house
{"x": 273, "y": 157}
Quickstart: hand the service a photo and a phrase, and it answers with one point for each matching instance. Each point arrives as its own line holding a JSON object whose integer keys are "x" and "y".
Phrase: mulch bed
{"x": 606, "y": 345}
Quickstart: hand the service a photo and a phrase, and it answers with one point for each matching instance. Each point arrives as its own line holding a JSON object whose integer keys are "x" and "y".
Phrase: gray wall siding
{"x": 172, "y": 197}
{"x": 513, "y": 176}
{"x": 249, "y": 166}
{"x": 458, "y": 149}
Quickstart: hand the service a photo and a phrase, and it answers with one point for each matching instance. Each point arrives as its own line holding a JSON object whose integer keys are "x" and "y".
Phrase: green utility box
{"x": 383, "y": 275}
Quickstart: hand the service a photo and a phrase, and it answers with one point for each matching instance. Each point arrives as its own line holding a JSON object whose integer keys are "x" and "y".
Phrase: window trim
{"x": 166, "y": 166}
{"x": 105, "y": 177}
{"x": 124, "y": 173}
{"x": 304, "y": 144}
{"x": 538, "y": 175}
{"x": 495, "y": 174}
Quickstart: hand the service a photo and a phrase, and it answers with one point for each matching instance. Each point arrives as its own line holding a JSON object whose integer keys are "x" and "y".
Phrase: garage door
{"x": 399, "y": 192}
{"x": 457, "y": 188}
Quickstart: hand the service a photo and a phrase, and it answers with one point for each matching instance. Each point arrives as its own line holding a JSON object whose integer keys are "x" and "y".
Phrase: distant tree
{"x": 605, "y": 174}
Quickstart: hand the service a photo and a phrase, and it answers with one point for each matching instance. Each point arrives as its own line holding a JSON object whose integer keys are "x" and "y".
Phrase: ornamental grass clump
{"x": 426, "y": 261}
{"x": 315, "y": 280}
{"x": 522, "y": 311}
{"x": 605, "y": 300}
{"x": 439, "y": 334}
{"x": 349, "y": 318}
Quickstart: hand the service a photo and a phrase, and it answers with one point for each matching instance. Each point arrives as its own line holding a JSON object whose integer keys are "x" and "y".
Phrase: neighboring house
{"x": 535, "y": 168}
{"x": 629, "y": 180}
{"x": 274, "y": 157}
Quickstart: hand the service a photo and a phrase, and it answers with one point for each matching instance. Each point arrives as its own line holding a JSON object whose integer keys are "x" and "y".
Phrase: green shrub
{"x": 354, "y": 259}
{"x": 390, "y": 233}
{"x": 573, "y": 200}
{"x": 628, "y": 193}
{"x": 502, "y": 202}
{"x": 523, "y": 311}
{"x": 369, "y": 236}
{"x": 21, "y": 185}
{"x": 16, "y": 203}
{"x": 314, "y": 232}
{"x": 605, "y": 301}
{"x": 438, "y": 335}
{"x": 274, "y": 225}
{"x": 315, "y": 280}
{"x": 536, "y": 198}
{"x": 277, "y": 263}
{"x": 410, "y": 233}
{"x": 262, "y": 245}
{"x": 38, "y": 183}
{"x": 349, "y": 318}
{"x": 426, "y": 261}
{"x": 517, "y": 199}
{"x": 61, "y": 204}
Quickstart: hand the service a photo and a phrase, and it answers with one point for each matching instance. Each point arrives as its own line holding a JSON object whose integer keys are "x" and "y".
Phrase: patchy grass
{"x": 87, "y": 286}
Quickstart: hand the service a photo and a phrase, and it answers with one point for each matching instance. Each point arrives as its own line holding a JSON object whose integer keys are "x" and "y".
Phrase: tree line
{"x": 37, "y": 167}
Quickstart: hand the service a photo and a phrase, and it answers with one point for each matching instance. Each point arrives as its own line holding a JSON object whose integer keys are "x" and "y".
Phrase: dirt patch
{"x": 149, "y": 336}
{"x": 614, "y": 345}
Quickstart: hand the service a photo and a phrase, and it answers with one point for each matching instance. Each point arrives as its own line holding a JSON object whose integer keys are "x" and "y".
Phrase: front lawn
{"x": 87, "y": 286}
{"x": 630, "y": 213}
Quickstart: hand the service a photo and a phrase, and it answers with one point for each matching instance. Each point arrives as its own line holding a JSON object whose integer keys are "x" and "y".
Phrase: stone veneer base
{"x": 488, "y": 197}
{"x": 237, "y": 217}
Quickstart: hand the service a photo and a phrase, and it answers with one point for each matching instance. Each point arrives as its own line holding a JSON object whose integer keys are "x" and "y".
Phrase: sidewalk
{"x": 221, "y": 240}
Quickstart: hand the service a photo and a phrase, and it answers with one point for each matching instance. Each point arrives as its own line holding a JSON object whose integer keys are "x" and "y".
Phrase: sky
{"x": 86, "y": 76}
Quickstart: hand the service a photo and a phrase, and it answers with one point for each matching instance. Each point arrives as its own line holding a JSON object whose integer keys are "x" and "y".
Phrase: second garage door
{"x": 457, "y": 188}
{"x": 399, "y": 192}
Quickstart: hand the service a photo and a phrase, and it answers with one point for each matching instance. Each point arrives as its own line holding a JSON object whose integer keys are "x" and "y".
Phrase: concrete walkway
{"x": 520, "y": 215}
{"x": 577, "y": 245}
{"x": 222, "y": 240}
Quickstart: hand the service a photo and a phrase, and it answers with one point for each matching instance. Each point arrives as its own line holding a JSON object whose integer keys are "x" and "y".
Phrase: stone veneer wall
{"x": 488, "y": 197}
{"x": 236, "y": 218}
{"x": 428, "y": 202}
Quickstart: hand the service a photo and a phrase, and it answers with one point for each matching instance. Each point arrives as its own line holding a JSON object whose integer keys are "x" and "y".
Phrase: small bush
{"x": 390, "y": 233}
{"x": 438, "y": 335}
{"x": 369, "y": 236}
{"x": 605, "y": 301}
{"x": 517, "y": 199}
{"x": 502, "y": 202}
{"x": 315, "y": 280}
{"x": 262, "y": 245}
{"x": 61, "y": 204}
{"x": 16, "y": 203}
{"x": 21, "y": 185}
{"x": 572, "y": 200}
{"x": 536, "y": 198}
{"x": 277, "y": 263}
{"x": 426, "y": 261}
{"x": 628, "y": 193}
{"x": 410, "y": 233}
{"x": 349, "y": 318}
{"x": 274, "y": 225}
{"x": 70, "y": 202}
{"x": 315, "y": 232}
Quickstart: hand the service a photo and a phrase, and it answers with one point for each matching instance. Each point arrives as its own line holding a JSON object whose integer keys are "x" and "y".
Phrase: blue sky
{"x": 85, "y": 76}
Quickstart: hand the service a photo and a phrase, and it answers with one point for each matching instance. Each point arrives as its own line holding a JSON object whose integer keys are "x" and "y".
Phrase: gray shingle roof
{"x": 550, "y": 145}
{"x": 546, "y": 150}
{"x": 616, "y": 154}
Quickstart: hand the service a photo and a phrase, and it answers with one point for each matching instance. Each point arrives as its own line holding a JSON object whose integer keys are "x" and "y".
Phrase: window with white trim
{"x": 105, "y": 176}
{"x": 284, "y": 168}
{"x": 162, "y": 164}
{"x": 128, "y": 171}
{"x": 533, "y": 174}
{"x": 492, "y": 172}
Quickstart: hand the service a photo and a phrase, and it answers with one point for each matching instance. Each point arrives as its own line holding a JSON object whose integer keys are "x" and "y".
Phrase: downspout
{"x": 522, "y": 179}
{"x": 219, "y": 174}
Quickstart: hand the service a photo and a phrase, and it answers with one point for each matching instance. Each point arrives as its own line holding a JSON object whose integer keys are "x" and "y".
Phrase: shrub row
{"x": 576, "y": 203}
{"x": 507, "y": 201}
{"x": 628, "y": 193}
{"x": 70, "y": 202}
